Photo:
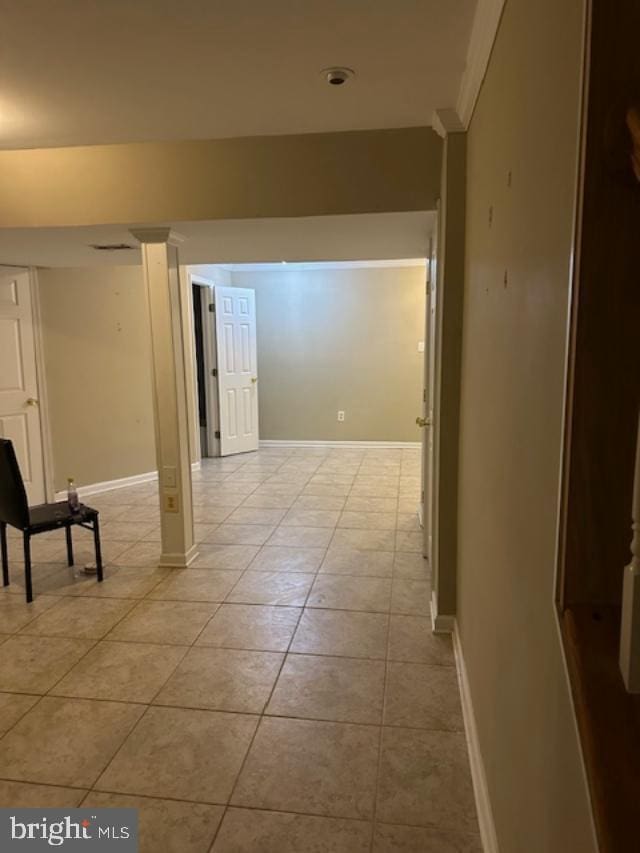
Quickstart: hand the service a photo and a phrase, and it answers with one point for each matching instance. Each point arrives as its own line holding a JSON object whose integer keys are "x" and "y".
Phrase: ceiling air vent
{"x": 111, "y": 247}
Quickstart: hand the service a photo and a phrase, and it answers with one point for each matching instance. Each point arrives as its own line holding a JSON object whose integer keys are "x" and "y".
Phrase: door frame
{"x": 211, "y": 390}
{"x": 439, "y": 623}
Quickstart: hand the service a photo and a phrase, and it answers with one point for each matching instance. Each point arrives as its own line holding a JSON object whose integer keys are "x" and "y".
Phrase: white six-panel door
{"x": 19, "y": 412}
{"x": 235, "y": 312}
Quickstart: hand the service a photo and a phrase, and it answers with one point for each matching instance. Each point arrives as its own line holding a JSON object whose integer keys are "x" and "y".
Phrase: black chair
{"x": 15, "y": 510}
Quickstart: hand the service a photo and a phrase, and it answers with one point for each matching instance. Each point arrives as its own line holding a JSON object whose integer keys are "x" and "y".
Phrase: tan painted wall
{"x": 514, "y": 347}
{"x": 308, "y": 175}
{"x": 97, "y": 362}
{"x": 339, "y": 339}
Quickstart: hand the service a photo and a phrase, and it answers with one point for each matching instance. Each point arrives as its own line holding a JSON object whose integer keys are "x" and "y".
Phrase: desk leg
{"x": 69, "y": 545}
{"x": 5, "y": 555}
{"x": 96, "y": 539}
{"x": 27, "y": 566}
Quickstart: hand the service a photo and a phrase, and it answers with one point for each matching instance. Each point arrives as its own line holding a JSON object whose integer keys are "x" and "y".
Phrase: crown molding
{"x": 157, "y": 235}
{"x": 445, "y": 122}
{"x": 483, "y": 34}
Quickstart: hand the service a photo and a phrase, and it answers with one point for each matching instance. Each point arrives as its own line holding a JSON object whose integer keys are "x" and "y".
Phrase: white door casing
{"x": 19, "y": 405}
{"x": 235, "y": 313}
{"x": 430, "y": 403}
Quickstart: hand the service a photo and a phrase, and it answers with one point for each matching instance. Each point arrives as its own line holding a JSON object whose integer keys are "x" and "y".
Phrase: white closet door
{"x": 19, "y": 407}
{"x": 235, "y": 312}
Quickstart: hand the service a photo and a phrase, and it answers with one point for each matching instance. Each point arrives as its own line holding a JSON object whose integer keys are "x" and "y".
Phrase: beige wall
{"x": 335, "y": 339}
{"x": 97, "y": 363}
{"x": 312, "y": 174}
{"x": 514, "y": 346}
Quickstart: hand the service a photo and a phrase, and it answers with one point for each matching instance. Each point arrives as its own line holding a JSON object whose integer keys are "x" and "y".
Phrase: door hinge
{"x": 212, "y": 308}
{"x": 217, "y": 433}
{"x": 214, "y": 372}
{"x": 422, "y": 497}
{"x": 424, "y": 395}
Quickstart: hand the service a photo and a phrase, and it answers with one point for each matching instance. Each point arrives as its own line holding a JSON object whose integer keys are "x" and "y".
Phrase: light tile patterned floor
{"x": 283, "y": 695}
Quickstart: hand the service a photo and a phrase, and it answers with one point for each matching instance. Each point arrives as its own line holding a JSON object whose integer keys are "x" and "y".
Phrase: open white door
{"x": 429, "y": 503}
{"x": 19, "y": 412}
{"x": 235, "y": 312}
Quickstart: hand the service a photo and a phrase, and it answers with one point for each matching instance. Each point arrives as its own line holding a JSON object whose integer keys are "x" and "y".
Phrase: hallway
{"x": 285, "y": 694}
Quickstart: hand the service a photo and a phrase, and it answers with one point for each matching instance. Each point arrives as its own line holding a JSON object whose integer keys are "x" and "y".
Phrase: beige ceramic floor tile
{"x": 128, "y": 672}
{"x": 412, "y": 640}
{"x": 222, "y": 680}
{"x": 422, "y": 696}
{"x": 412, "y": 597}
{"x": 287, "y": 588}
{"x": 425, "y": 780}
{"x": 175, "y": 622}
{"x": 414, "y": 839}
{"x": 22, "y": 795}
{"x": 330, "y": 502}
{"x": 329, "y": 688}
{"x": 228, "y": 557}
{"x": 269, "y": 501}
{"x": 34, "y": 664}
{"x": 368, "y": 520}
{"x": 311, "y": 518}
{"x": 80, "y": 617}
{"x": 355, "y": 561}
{"x": 196, "y": 585}
{"x": 409, "y": 521}
{"x": 410, "y": 566}
{"x": 254, "y": 831}
{"x": 66, "y": 742}
{"x": 251, "y": 626}
{"x": 340, "y": 632}
{"x": 143, "y": 554}
{"x": 165, "y": 826}
{"x": 410, "y": 541}
{"x": 275, "y": 558}
{"x": 241, "y": 534}
{"x": 15, "y": 613}
{"x": 345, "y": 592}
{"x": 12, "y": 707}
{"x": 310, "y": 767}
{"x": 181, "y": 754}
{"x": 256, "y": 515}
{"x": 375, "y": 540}
{"x": 302, "y": 537}
{"x": 370, "y": 504}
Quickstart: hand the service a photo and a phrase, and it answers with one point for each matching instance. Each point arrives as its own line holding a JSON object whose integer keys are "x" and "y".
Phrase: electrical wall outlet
{"x": 340, "y": 416}
{"x": 170, "y": 502}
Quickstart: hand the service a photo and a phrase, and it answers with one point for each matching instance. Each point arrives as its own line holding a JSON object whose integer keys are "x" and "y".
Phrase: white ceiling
{"x": 94, "y": 71}
{"x": 372, "y": 236}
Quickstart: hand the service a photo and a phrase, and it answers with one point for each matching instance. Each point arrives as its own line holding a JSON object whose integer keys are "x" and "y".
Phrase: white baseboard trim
{"x": 478, "y": 776}
{"x": 358, "y": 445}
{"x": 122, "y": 483}
{"x": 440, "y": 624}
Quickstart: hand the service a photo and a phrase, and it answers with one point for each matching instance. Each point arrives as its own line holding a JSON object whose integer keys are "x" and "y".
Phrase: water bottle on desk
{"x": 72, "y": 496}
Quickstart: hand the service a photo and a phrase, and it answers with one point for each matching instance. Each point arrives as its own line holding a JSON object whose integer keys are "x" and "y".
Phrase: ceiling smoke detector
{"x": 337, "y": 76}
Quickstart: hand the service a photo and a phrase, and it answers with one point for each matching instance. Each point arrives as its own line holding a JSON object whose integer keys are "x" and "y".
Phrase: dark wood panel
{"x": 609, "y": 722}
{"x": 606, "y": 392}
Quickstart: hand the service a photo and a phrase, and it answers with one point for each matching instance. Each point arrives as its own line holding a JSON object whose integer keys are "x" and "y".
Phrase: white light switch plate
{"x": 420, "y": 346}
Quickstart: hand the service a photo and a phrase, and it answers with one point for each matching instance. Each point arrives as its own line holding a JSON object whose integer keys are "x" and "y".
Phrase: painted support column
{"x": 630, "y": 627}
{"x": 162, "y": 282}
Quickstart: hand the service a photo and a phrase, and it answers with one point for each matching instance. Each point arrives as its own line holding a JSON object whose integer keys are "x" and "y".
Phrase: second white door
{"x": 235, "y": 312}
{"x": 19, "y": 412}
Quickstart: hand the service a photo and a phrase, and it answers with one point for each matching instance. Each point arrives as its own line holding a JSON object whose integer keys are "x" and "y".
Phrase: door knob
{"x": 254, "y": 379}
{"x": 32, "y": 402}
{"x": 423, "y": 422}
